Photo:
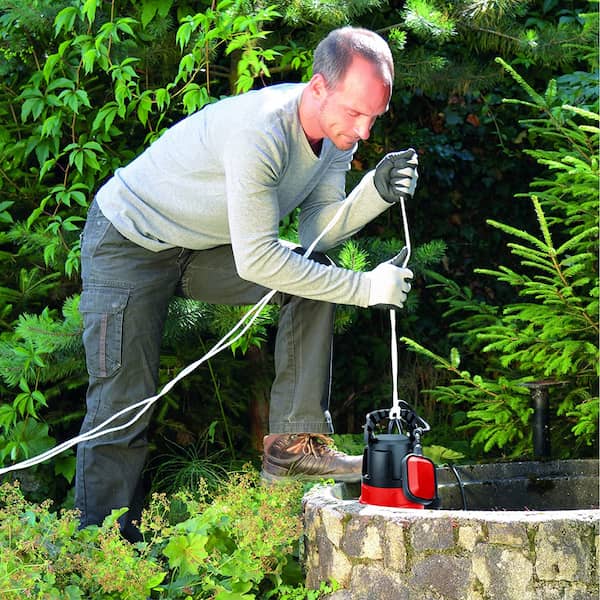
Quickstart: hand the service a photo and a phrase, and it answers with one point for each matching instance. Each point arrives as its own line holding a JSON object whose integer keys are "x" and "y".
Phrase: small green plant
{"x": 44, "y": 555}
{"x": 42, "y": 358}
{"x": 241, "y": 543}
{"x": 187, "y": 466}
{"x": 299, "y": 592}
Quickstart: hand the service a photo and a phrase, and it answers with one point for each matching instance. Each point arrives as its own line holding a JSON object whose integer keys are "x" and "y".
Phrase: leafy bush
{"x": 243, "y": 544}
{"x": 44, "y": 555}
{"x": 551, "y": 333}
{"x": 88, "y": 84}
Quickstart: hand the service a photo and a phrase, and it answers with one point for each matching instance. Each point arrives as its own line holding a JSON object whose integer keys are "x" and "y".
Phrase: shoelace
{"x": 315, "y": 444}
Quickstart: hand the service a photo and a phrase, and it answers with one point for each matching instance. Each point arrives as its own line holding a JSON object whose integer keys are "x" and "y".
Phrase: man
{"x": 197, "y": 214}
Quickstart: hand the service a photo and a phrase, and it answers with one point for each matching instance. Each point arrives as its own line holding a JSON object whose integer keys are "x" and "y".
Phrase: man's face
{"x": 349, "y": 110}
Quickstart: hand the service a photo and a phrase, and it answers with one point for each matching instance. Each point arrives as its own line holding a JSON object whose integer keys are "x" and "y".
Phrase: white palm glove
{"x": 396, "y": 175}
{"x": 390, "y": 283}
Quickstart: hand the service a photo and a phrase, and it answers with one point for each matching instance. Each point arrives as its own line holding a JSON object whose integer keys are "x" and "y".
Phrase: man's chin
{"x": 344, "y": 144}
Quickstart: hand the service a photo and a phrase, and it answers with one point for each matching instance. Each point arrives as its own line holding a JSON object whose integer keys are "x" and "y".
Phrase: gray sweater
{"x": 228, "y": 174}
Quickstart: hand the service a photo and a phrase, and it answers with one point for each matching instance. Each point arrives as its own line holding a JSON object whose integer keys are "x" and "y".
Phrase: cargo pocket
{"x": 102, "y": 310}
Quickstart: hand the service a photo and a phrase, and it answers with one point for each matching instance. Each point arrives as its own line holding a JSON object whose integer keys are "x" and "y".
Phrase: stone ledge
{"x": 406, "y": 554}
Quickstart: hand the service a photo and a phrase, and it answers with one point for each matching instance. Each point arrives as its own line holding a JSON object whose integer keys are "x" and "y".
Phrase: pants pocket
{"x": 102, "y": 310}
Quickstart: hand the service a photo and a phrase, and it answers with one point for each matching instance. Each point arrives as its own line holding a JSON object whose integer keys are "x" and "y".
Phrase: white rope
{"x": 395, "y": 410}
{"x": 225, "y": 342}
{"x": 144, "y": 405}
{"x": 394, "y": 355}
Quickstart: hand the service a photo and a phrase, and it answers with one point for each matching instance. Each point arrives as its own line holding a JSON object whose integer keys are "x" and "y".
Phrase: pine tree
{"x": 551, "y": 333}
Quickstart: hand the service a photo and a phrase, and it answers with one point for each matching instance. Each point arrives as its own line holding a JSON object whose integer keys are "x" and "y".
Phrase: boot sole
{"x": 341, "y": 478}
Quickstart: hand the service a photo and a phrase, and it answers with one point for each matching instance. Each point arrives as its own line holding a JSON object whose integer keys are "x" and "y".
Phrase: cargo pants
{"x": 124, "y": 303}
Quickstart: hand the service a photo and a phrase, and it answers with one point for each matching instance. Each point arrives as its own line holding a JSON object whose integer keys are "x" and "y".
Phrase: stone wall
{"x": 377, "y": 553}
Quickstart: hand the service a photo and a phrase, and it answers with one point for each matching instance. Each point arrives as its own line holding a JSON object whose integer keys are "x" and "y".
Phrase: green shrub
{"x": 550, "y": 334}
{"x": 44, "y": 555}
{"x": 241, "y": 544}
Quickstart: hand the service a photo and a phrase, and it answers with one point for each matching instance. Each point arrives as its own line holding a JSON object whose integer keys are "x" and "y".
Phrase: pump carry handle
{"x": 408, "y": 416}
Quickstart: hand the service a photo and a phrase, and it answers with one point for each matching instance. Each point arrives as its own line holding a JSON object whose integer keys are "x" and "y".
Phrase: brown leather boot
{"x": 308, "y": 457}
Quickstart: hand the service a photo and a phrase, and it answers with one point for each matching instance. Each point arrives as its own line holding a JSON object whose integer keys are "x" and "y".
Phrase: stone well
{"x": 548, "y": 549}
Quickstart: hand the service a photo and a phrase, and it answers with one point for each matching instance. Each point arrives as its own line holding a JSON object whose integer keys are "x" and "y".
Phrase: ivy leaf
{"x": 65, "y": 466}
{"x": 151, "y": 7}
{"x": 144, "y": 107}
{"x": 31, "y": 438}
{"x": 65, "y": 19}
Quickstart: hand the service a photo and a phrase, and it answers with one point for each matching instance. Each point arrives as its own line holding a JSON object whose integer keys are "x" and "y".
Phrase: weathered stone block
{"x": 508, "y": 534}
{"x": 369, "y": 583}
{"x": 324, "y": 562}
{"x": 341, "y": 569}
{"x": 563, "y": 551}
{"x": 469, "y": 534}
{"x": 339, "y": 595}
{"x": 443, "y": 576}
{"x": 503, "y": 572}
{"x": 432, "y": 534}
{"x": 312, "y": 521}
{"x": 394, "y": 547}
{"x": 362, "y": 539}
{"x": 575, "y": 593}
{"x": 333, "y": 524}
{"x": 571, "y": 592}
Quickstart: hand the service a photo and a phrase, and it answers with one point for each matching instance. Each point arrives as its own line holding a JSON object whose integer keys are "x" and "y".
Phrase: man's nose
{"x": 362, "y": 127}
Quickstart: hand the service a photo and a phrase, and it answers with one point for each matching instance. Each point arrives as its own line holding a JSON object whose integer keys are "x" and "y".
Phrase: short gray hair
{"x": 335, "y": 52}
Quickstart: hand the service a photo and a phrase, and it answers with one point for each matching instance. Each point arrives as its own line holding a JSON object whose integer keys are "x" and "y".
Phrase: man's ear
{"x": 318, "y": 86}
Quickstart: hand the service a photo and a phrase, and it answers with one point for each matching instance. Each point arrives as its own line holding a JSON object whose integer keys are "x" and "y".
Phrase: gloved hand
{"x": 390, "y": 282}
{"x": 396, "y": 175}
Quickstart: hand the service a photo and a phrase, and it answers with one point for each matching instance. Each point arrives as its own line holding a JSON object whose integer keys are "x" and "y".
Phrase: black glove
{"x": 396, "y": 175}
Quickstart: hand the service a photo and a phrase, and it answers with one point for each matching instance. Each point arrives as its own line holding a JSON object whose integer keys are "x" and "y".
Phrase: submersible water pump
{"x": 395, "y": 473}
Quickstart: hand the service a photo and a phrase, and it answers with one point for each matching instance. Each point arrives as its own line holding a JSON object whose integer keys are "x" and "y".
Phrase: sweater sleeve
{"x": 252, "y": 170}
{"x": 361, "y": 206}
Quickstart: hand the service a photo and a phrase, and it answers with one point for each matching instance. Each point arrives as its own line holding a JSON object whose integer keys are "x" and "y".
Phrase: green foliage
{"x": 223, "y": 318}
{"x": 45, "y": 555}
{"x": 551, "y": 334}
{"x": 427, "y": 22}
{"x": 98, "y": 90}
{"x": 87, "y": 85}
{"x": 299, "y": 592}
{"x": 240, "y": 544}
{"x": 44, "y": 348}
{"x": 521, "y": 32}
{"x": 190, "y": 466}
{"x": 91, "y": 86}
{"x": 42, "y": 357}
{"x": 243, "y": 539}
